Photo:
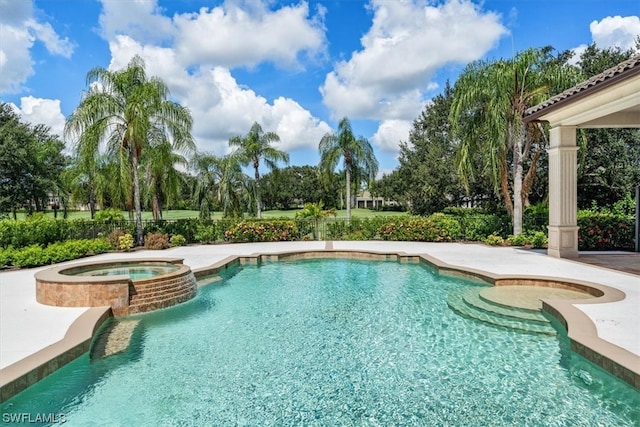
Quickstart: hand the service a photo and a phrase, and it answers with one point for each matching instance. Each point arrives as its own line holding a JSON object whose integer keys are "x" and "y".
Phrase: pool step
{"x": 468, "y": 303}
{"x": 114, "y": 339}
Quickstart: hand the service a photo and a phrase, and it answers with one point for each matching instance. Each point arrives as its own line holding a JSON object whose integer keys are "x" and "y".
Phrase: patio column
{"x": 563, "y": 229}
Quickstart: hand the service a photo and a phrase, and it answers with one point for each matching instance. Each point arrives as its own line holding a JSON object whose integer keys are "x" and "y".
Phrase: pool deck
{"x": 27, "y": 327}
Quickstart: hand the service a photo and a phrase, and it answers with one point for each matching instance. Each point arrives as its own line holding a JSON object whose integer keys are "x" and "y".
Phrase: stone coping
{"x": 581, "y": 330}
{"x": 56, "y": 274}
{"x": 77, "y": 341}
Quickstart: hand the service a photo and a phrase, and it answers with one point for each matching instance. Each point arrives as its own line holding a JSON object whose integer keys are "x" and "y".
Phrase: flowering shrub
{"x": 435, "y": 228}
{"x": 262, "y": 231}
{"x": 604, "y": 231}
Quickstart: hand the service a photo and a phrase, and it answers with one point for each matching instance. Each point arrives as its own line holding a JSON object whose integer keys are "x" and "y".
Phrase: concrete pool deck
{"x": 27, "y": 327}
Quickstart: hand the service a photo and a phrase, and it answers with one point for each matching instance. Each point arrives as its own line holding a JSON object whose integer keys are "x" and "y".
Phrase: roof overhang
{"x": 613, "y": 101}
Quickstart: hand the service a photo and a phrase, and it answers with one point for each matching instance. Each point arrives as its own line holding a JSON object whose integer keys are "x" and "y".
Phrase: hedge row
{"x": 35, "y": 255}
{"x": 598, "y": 231}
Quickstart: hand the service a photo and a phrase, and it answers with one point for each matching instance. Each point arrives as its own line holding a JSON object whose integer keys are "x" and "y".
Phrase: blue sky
{"x": 296, "y": 67}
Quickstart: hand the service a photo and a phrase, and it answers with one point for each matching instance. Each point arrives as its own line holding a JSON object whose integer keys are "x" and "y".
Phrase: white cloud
{"x": 407, "y": 42}
{"x": 390, "y": 133}
{"x": 232, "y": 36}
{"x": 42, "y": 111}
{"x": 19, "y": 32}
{"x": 616, "y": 31}
{"x": 220, "y": 107}
{"x": 141, "y": 20}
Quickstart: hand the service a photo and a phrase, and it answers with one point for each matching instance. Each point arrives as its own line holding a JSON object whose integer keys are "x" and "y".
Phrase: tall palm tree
{"x": 254, "y": 146}
{"x": 162, "y": 178}
{"x": 221, "y": 179}
{"x": 359, "y": 158}
{"x": 129, "y": 111}
{"x": 490, "y": 99}
{"x": 205, "y": 167}
{"x": 235, "y": 192}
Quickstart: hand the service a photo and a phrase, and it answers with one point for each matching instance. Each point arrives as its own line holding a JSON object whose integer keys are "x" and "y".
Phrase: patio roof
{"x": 608, "y": 100}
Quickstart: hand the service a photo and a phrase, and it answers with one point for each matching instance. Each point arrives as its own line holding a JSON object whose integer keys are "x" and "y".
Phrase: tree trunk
{"x": 136, "y": 198}
{"x": 92, "y": 202}
{"x": 517, "y": 181}
{"x": 258, "y": 202}
{"x": 348, "y": 176}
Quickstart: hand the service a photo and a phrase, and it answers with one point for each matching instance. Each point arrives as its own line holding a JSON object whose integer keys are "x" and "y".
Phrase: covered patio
{"x": 608, "y": 100}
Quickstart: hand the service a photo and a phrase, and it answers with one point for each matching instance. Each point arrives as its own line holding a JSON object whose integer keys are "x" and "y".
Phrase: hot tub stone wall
{"x": 123, "y": 295}
{"x": 148, "y": 295}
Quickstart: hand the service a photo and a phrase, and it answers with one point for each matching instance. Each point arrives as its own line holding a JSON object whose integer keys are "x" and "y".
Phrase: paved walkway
{"x": 27, "y": 326}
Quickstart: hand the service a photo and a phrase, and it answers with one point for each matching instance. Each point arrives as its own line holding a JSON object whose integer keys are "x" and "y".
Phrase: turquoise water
{"x": 331, "y": 343}
{"x": 134, "y": 271}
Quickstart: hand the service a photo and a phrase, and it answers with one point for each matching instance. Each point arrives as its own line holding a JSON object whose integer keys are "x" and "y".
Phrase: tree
{"x": 221, "y": 180}
{"x": 490, "y": 99}
{"x": 256, "y": 145}
{"x": 129, "y": 112}
{"x": 427, "y": 161}
{"x": 205, "y": 167}
{"x": 294, "y": 186}
{"x": 357, "y": 153}
{"x": 609, "y": 161}
{"x": 162, "y": 178}
{"x": 31, "y": 161}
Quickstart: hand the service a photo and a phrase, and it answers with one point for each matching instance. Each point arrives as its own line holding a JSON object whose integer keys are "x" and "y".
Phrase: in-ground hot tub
{"x": 127, "y": 286}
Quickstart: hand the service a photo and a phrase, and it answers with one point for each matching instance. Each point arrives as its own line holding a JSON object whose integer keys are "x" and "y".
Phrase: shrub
{"x": 6, "y": 256}
{"x": 436, "y": 228}
{"x": 523, "y": 239}
{"x": 125, "y": 242}
{"x": 539, "y": 240}
{"x": 604, "y": 231}
{"x": 207, "y": 233}
{"x": 262, "y": 231}
{"x": 177, "y": 240}
{"x": 493, "y": 240}
{"x": 30, "y": 256}
{"x": 535, "y": 239}
{"x": 109, "y": 214}
{"x": 114, "y": 238}
{"x": 156, "y": 241}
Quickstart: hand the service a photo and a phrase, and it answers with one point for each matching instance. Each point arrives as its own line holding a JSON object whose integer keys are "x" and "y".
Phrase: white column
{"x": 563, "y": 229}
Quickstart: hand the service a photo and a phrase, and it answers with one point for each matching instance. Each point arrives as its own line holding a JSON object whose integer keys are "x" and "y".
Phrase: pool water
{"x": 134, "y": 271}
{"x": 328, "y": 343}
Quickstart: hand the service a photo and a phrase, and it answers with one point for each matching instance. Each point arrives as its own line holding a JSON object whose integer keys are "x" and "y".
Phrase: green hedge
{"x": 605, "y": 231}
{"x": 435, "y": 228}
{"x": 262, "y": 231}
{"x": 35, "y": 255}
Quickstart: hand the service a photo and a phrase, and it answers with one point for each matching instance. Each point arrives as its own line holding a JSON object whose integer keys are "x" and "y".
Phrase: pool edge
{"x": 20, "y": 375}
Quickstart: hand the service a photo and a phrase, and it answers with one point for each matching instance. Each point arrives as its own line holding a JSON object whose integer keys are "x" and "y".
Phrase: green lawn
{"x": 179, "y": 214}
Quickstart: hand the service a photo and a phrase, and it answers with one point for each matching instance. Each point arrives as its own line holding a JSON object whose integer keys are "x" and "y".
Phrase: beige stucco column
{"x": 563, "y": 229}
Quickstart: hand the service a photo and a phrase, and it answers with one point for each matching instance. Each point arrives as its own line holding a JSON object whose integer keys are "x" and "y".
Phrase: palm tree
{"x": 129, "y": 112}
{"x": 490, "y": 99}
{"x": 359, "y": 158}
{"x": 162, "y": 178}
{"x": 205, "y": 167}
{"x": 235, "y": 192}
{"x": 255, "y": 146}
{"x": 221, "y": 179}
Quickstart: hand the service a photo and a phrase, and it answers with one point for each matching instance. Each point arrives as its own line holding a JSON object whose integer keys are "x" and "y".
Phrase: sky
{"x": 295, "y": 67}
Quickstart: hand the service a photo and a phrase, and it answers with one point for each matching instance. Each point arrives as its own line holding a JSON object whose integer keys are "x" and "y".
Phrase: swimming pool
{"x": 331, "y": 342}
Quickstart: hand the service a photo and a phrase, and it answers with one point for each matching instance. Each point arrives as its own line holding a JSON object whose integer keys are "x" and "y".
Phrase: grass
{"x": 180, "y": 214}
